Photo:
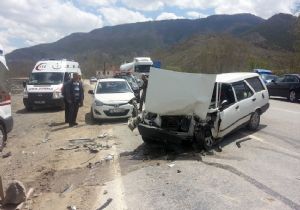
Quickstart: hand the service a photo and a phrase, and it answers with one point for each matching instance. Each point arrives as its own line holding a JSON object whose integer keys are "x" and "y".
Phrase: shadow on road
{"x": 38, "y": 111}
{"x": 284, "y": 100}
{"x": 90, "y": 121}
{"x": 185, "y": 150}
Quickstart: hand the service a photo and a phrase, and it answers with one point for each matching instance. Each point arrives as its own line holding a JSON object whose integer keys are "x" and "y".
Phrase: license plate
{"x": 40, "y": 102}
{"x": 116, "y": 110}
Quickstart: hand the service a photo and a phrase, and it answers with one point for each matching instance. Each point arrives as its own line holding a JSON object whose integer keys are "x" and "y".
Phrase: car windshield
{"x": 46, "y": 78}
{"x": 113, "y": 87}
{"x": 268, "y": 77}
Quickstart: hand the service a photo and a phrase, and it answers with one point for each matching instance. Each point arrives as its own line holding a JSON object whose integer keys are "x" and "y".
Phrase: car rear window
{"x": 255, "y": 84}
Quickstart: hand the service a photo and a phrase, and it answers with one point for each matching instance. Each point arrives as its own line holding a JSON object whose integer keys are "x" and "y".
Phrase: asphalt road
{"x": 259, "y": 170}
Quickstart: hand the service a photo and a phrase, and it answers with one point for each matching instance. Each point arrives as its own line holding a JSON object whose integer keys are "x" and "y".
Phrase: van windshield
{"x": 46, "y": 78}
{"x": 142, "y": 68}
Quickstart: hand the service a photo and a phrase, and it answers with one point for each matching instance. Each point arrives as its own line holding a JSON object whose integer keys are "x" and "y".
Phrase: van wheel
{"x": 204, "y": 139}
{"x": 3, "y": 137}
{"x": 292, "y": 96}
{"x": 254, "y": 121}
{"x": 28, "y": 108}
{"x": 147, "y": 140}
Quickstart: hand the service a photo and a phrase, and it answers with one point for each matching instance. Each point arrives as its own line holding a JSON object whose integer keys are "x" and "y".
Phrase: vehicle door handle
{"x": 237, "y": 107}
{"x": 253, "y": 99}
{"x": 263, "y": 95}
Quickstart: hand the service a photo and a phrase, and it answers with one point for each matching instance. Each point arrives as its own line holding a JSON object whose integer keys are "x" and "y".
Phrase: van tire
{"x": 147, "y": 140}
{"x": 3, "y": 137}
{"x": 254, "y": 121}
{"x": 28, "y": 108}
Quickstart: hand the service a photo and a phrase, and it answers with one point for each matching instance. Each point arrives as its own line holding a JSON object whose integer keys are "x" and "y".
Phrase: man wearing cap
{"x": 74, "y": 96}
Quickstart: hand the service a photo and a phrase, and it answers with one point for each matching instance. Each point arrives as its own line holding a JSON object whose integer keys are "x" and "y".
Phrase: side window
{"x": 227, "y": 94}
{"x": 242, "y": 91}
{"x": 292, "y": 79}
{"x": 255, "y": 84}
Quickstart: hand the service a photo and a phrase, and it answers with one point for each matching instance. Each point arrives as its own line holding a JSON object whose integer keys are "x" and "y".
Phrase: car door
{"x": 229, "y": 112}
{"x": 241, "y": 111}
{"x": 274, "y": 87}
{"x": 261, "y": 95}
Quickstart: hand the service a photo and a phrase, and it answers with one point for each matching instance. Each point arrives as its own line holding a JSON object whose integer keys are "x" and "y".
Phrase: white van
{"x": 44, "y": 87}
{"x": 201, "y": 107}
{"x": 6, "y": 120}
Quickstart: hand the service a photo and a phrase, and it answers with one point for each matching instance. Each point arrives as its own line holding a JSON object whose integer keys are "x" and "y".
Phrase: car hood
{"x": 177, "y": 93}
{"x": 114, "y": 98}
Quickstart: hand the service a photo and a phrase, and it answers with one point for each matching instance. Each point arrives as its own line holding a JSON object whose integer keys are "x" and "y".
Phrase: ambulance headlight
{"x": 57, "y": 95}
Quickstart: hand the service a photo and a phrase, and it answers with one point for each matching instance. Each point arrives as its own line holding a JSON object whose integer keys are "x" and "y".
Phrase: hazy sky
{"x": 28, "y": 22}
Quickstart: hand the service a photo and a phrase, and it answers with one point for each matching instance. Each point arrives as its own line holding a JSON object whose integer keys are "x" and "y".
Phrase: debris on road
{"x": 105, "y": 204}
{"x": 67, "y": 189}
{"x": 109, "y": 158}
{"x": 178, "y": 171}
{"x": 105, "y": 192}
{"x": 15, "y": 193}
{"x": 72, "y": 207}
{"x": 103, "y": 135}
{"x": 171, "y": 165}
{"x": 69, "y": 148}
{"x": 8, "y": 154}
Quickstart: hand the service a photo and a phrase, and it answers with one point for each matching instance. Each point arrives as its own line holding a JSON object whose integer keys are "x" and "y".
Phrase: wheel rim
{"x": 292, "y": 96}
{"x": 255, "y": 119}
{"x": 208, "y": 141}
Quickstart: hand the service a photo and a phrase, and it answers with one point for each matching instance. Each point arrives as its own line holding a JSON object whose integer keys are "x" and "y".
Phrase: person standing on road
{"x": 74, "y": 96}
{"x": 144, "y": 89}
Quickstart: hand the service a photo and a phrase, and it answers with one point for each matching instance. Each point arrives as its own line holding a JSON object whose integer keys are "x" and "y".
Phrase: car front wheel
{"x": 254, "y": 121}
{"x": 292, "y": 96}
{"x": 3, "y": 137}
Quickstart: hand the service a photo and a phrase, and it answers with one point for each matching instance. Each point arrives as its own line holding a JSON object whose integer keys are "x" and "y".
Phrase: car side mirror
{"x": 273, "y": 80}
{"x": 91, "y": 92}
{"x": 224, "y": 103}
{"x": 24, "y": 84}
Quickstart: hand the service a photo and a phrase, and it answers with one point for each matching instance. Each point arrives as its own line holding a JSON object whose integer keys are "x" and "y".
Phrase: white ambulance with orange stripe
{"x": 6, "y": 121}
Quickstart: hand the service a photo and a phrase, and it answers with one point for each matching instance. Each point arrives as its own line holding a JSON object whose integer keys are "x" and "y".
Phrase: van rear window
{"x": 256, "y": 84}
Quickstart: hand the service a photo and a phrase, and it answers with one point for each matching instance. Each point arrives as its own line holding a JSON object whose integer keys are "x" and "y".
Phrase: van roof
{"x": 234, "y": 77}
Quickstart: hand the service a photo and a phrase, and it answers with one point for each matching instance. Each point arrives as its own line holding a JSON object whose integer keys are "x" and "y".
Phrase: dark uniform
{"x": 143, "y": 96}
{"x": 74, "y": 96}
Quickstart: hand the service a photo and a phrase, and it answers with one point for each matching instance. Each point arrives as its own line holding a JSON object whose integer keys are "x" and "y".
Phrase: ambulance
{"x": 6, "y": 120}
{"x": 44, "y": 87}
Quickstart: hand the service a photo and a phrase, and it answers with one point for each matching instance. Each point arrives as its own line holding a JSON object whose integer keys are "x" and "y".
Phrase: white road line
{"x": 285, "y": 110}
{"x": 273, "y": 145}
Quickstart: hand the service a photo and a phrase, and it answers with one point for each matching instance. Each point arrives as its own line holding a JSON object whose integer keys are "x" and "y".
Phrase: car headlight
{"x": 25, "y": 93}
{"x": 98, "y": 103}
{"x": 57, "y": 95}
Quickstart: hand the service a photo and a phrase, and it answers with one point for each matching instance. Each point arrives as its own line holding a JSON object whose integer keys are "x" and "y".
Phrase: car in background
{"x": 267, "y": 78}
{"x": 133, "y": 82}
{"x": 93, "y": 80}
{"x": 287, "y": 86}
{"x": 266, "y": 75}
{"x": 6, "y": 120}
{"x": 113, "y": 98}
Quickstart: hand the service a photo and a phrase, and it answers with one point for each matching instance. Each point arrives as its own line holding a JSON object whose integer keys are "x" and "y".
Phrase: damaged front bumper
{"x": 162, "y": 135}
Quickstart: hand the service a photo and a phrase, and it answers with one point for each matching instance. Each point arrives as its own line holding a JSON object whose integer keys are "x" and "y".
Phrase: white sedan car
{"x": 113, "y": 98}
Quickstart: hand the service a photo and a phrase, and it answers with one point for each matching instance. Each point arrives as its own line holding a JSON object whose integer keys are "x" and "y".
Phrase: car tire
{"x": 292, "y": 96}
{"x": 3, "y": 137}
{"x": 254, "y": 121}
{"x": 204, "y": 139}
